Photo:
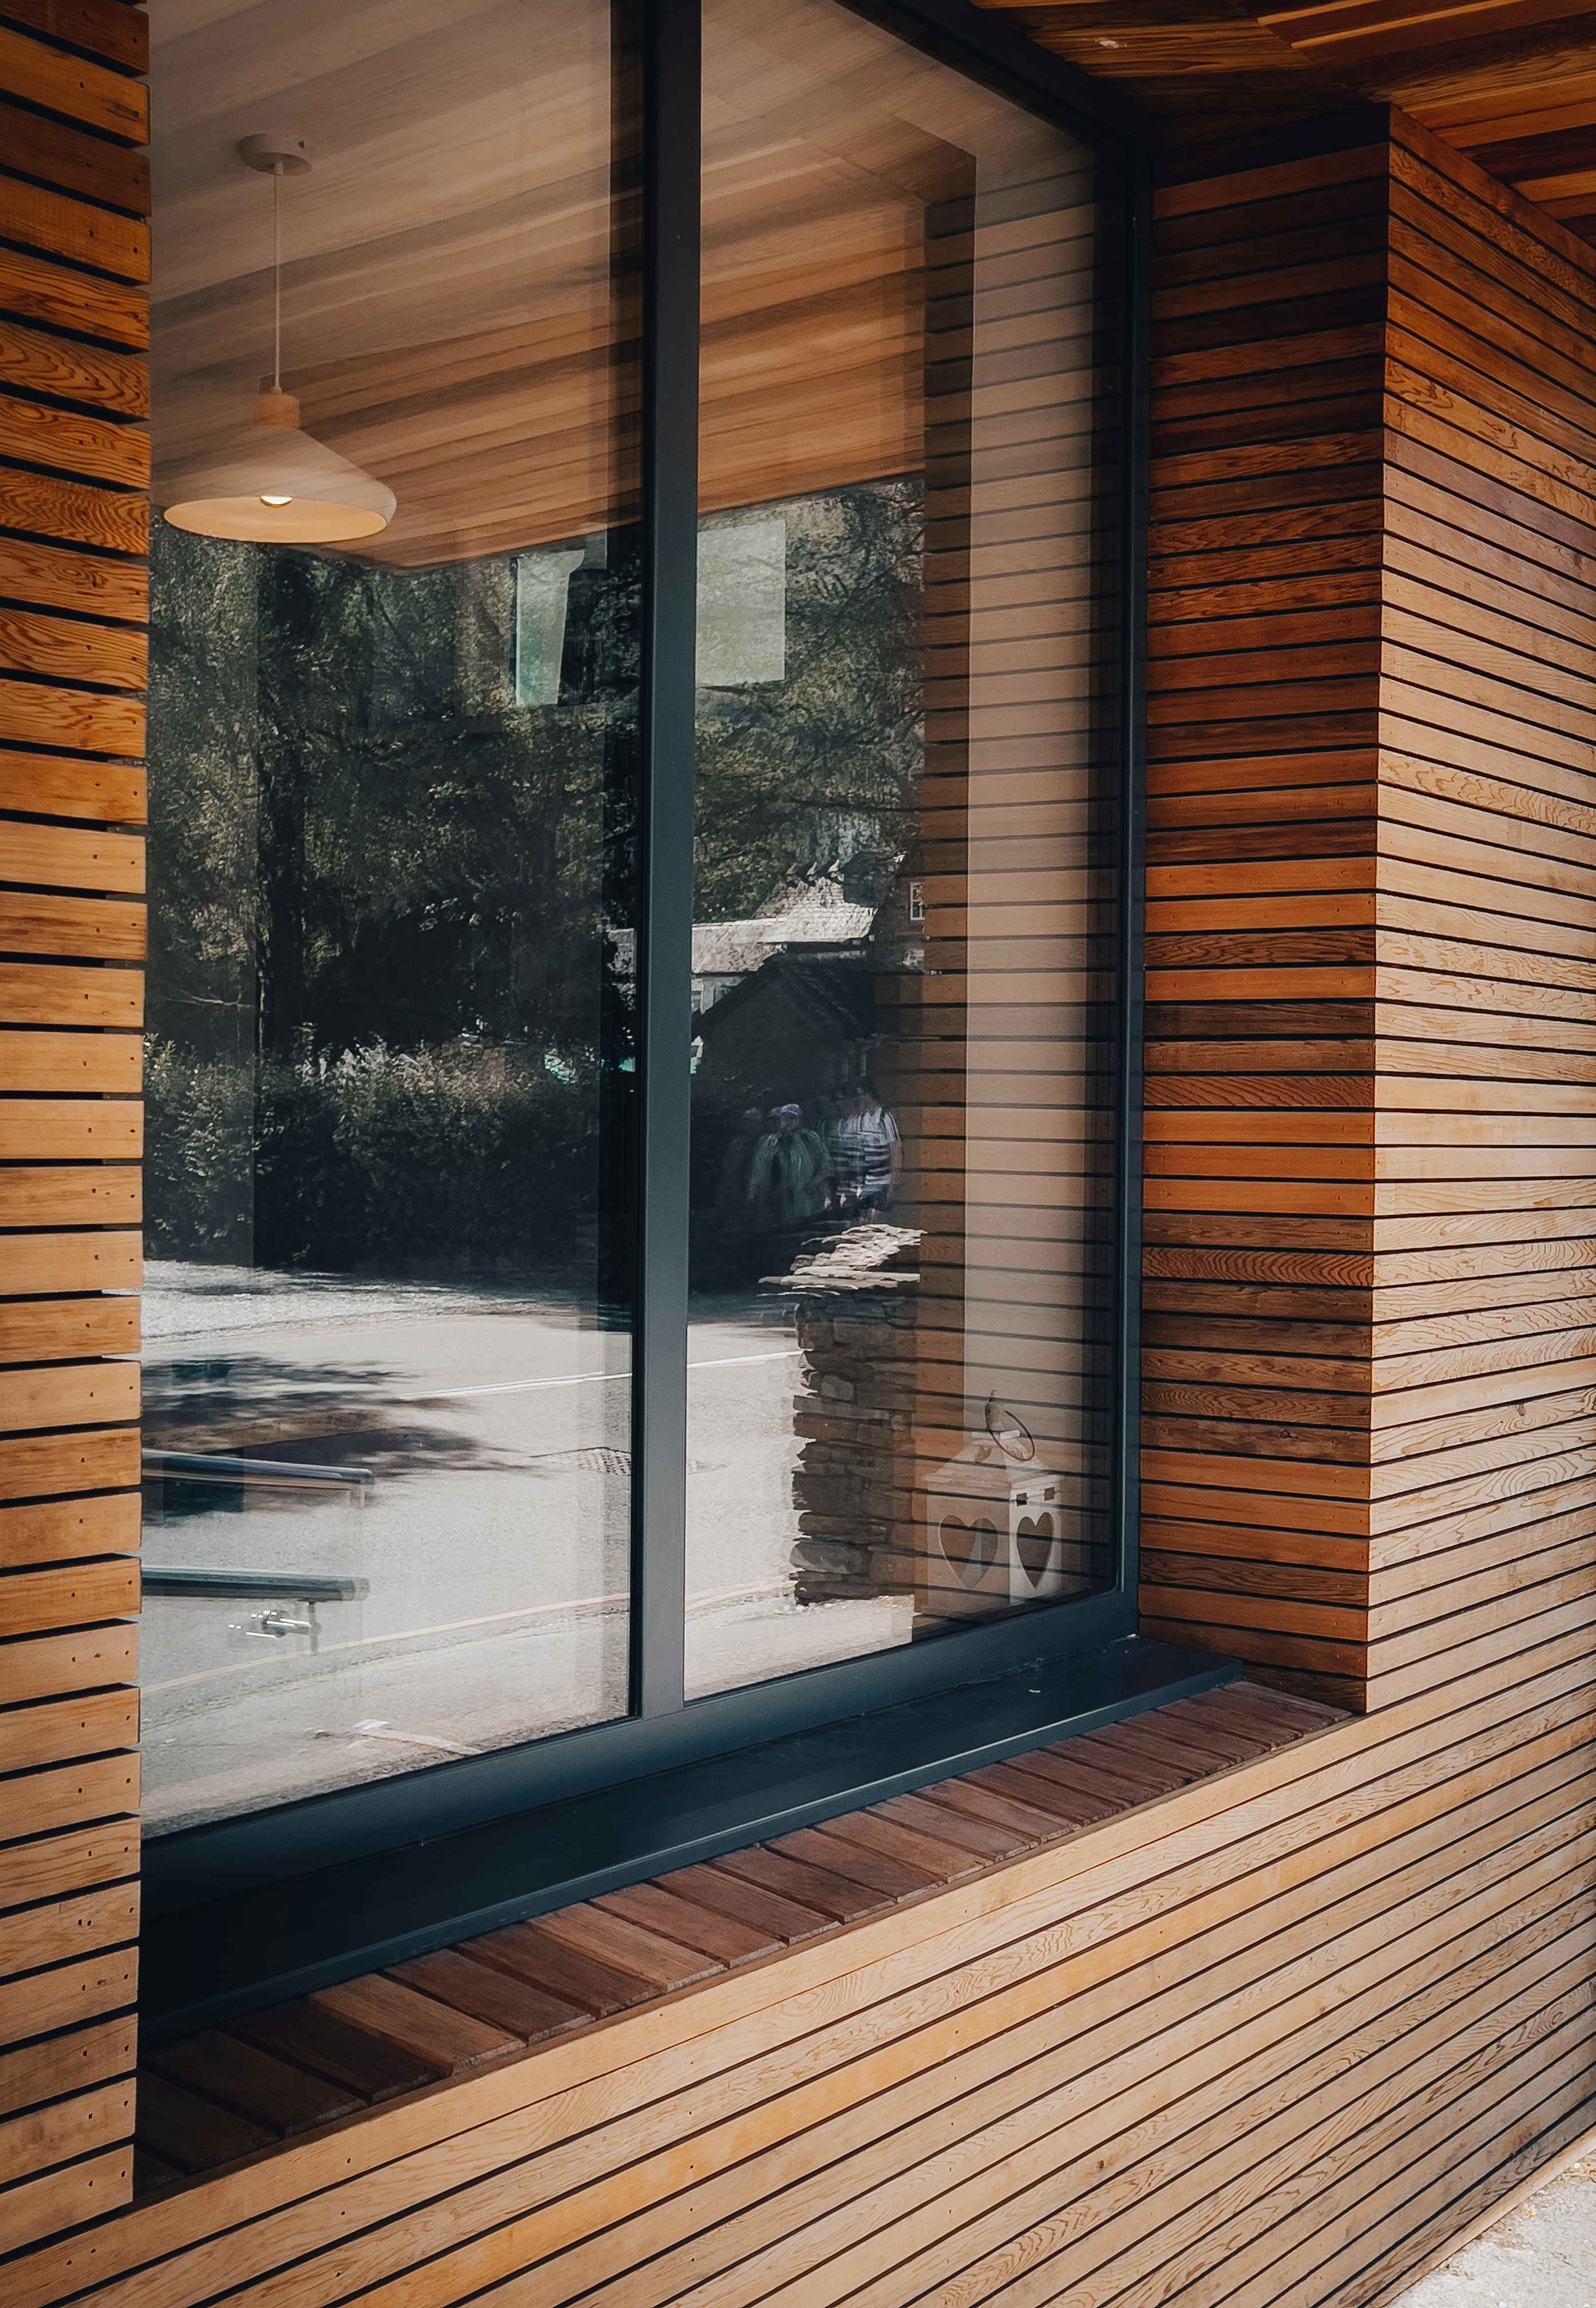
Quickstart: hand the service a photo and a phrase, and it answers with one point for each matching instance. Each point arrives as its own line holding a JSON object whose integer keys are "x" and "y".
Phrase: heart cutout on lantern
{"x": 1034, "y": 1543}
{"x": 972, "y": 1548}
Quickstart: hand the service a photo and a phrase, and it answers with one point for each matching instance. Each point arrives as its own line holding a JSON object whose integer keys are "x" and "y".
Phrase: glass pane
{"x": 392, "y": 725}
{"x": 904, "y": 909}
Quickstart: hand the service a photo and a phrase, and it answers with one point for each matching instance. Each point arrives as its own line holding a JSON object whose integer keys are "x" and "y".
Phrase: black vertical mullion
{"x": 1134, "y": 286}
{"x": 671, "y": 44}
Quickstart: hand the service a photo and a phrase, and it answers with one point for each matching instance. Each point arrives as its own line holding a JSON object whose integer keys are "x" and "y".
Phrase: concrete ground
{"x": 1541, "y": 2255}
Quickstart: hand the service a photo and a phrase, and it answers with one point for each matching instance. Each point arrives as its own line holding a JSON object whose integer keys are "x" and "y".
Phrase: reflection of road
{"x": 494, "y": 1543}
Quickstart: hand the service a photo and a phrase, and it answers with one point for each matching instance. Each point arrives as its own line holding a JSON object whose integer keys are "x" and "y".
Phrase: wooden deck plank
{"x": 687, "y": 1924}
{"x": 831, "y": 1893}
{"x": 190, "y": 2134}
{"x": 997, "y": 1826}
{"x": 664, "y": 1964}
{"x": 318, "y": 2039}
{"x": 754, "y": 1905}
{"x": 275, "y": 2094}
{"x": 570, "y": 1975}
{"x": 484, "y": 1992}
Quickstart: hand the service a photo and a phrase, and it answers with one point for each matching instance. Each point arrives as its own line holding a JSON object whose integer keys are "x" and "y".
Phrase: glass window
{"x": 409, "y": 1024}
{"x": 904, "y": 919}
{"x": 392, "y": 770}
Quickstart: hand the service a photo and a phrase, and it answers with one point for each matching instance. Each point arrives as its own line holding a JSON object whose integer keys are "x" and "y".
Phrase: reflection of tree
{"x": 347, "y": 795}
{"x": 453, "y": 846}
{"x": 377, "y": 879}
{"x": 786, "y": 773}
{"x": 388, "y": 1019}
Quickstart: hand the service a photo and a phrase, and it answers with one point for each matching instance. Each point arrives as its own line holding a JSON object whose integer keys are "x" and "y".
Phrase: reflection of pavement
{"x": 495, "y": 1544}
{"x": 740, "y": 1520}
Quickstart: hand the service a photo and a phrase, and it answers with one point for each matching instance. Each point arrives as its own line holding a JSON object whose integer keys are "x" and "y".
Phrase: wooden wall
{"x": 1277, "y": 2036}
{"x": 74, "y": 257}
{"x": 1275, "y": 2039}
{"x": 1371, "y": 1073}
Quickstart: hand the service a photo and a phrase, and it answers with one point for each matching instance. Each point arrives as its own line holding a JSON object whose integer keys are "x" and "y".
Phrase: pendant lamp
{"x": 270, "y": 483}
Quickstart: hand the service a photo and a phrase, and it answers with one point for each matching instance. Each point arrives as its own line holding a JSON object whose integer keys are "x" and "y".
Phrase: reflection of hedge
{"x": 375, "y": 1157}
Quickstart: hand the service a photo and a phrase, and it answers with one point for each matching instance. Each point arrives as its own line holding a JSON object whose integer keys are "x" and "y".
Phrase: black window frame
{"x": 882, "y": 1720}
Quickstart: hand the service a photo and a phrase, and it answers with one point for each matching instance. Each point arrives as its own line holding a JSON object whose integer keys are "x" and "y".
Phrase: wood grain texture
{"x": 1287, "y": 1982}
{"x": 1510, "y": 83}
{"x": 1243, "y": 2001}
{"x": 72, "y": 606}
{"x": 106, "y": 29}
{"x": 82, "y": 230}
{"x": 108, "y": 792}
{"x": 46, "y": 577}
{"x": 88, "y": 374}
{"x": 85, "y": 720}
{"x": 1301, "y": 1146}
{"x": 82, "y": 91}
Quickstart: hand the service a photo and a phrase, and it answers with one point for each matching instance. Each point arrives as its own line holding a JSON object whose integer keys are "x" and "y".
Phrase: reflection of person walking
{"x": 790, "y": 1175}
{"x": 867, "y": 1152}
{"x": 734, "y": 1222}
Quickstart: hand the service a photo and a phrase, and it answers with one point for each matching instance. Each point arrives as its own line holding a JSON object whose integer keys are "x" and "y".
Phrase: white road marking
{"x": 591, "y": 1378}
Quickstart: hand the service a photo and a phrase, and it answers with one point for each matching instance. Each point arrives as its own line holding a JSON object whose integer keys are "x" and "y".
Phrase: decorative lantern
{"x": 994, "y": 1524}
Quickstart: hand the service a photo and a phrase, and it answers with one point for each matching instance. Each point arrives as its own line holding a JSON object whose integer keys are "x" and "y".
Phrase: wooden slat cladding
{"x": 1513, "y": 82}
{"x": 73, "y": 461}
{"x": 1274, "y": 2034}
{"x": 1482, "y": 1141}
{"x": 1264, "y": 647}
{"x": 1370, "y": 904}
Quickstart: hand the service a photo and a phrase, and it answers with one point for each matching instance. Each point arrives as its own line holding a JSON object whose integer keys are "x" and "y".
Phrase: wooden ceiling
{"x": 458, "y": 320}
{"x": 458, "y": 299}
{"x": 1511, "y": 83}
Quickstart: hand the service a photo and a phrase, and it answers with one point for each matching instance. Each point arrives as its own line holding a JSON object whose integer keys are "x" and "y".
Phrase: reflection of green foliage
{"x": 785, "y": 772}
{"x": 358, "y": 834}
{"x": 203, "y": 737}
{"x": 362, "y": 844}
{"x": 435, "y": 856}
{"x": 198, "y": 1157}
{"x": 375, "y": 876}
{"x": 376, "y": 1157}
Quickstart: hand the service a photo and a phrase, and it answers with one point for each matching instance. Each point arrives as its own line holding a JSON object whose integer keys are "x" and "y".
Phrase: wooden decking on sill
{"x": 234, "y": 2092}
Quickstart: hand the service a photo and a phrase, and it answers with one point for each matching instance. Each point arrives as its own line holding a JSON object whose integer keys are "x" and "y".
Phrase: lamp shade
{"x": 271, "y": 484}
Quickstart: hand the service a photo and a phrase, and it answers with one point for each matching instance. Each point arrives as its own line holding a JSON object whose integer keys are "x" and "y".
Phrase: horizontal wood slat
{"x": 106, "y": 792}
{"x": 73, "y": 602}
{"x": 108, "y": 29}
{"x": 79, "y": 90}
{"x": 1332, "y": 1106}
{"x": 1309, "y": 1968}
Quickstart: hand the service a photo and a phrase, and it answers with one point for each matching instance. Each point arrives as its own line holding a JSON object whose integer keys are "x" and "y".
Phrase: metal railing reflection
{"x": 306, "y": 1589}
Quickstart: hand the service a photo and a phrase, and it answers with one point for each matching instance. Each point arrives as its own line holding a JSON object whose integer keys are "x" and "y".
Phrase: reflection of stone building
{"x": 854, "y": 1297}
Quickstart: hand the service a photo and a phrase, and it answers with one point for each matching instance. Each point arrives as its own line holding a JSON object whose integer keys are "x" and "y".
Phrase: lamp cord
{"x": 277, "y": 277}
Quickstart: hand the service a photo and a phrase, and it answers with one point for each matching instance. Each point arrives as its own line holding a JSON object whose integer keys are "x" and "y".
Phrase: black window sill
{"x": 213, "y": 1961}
